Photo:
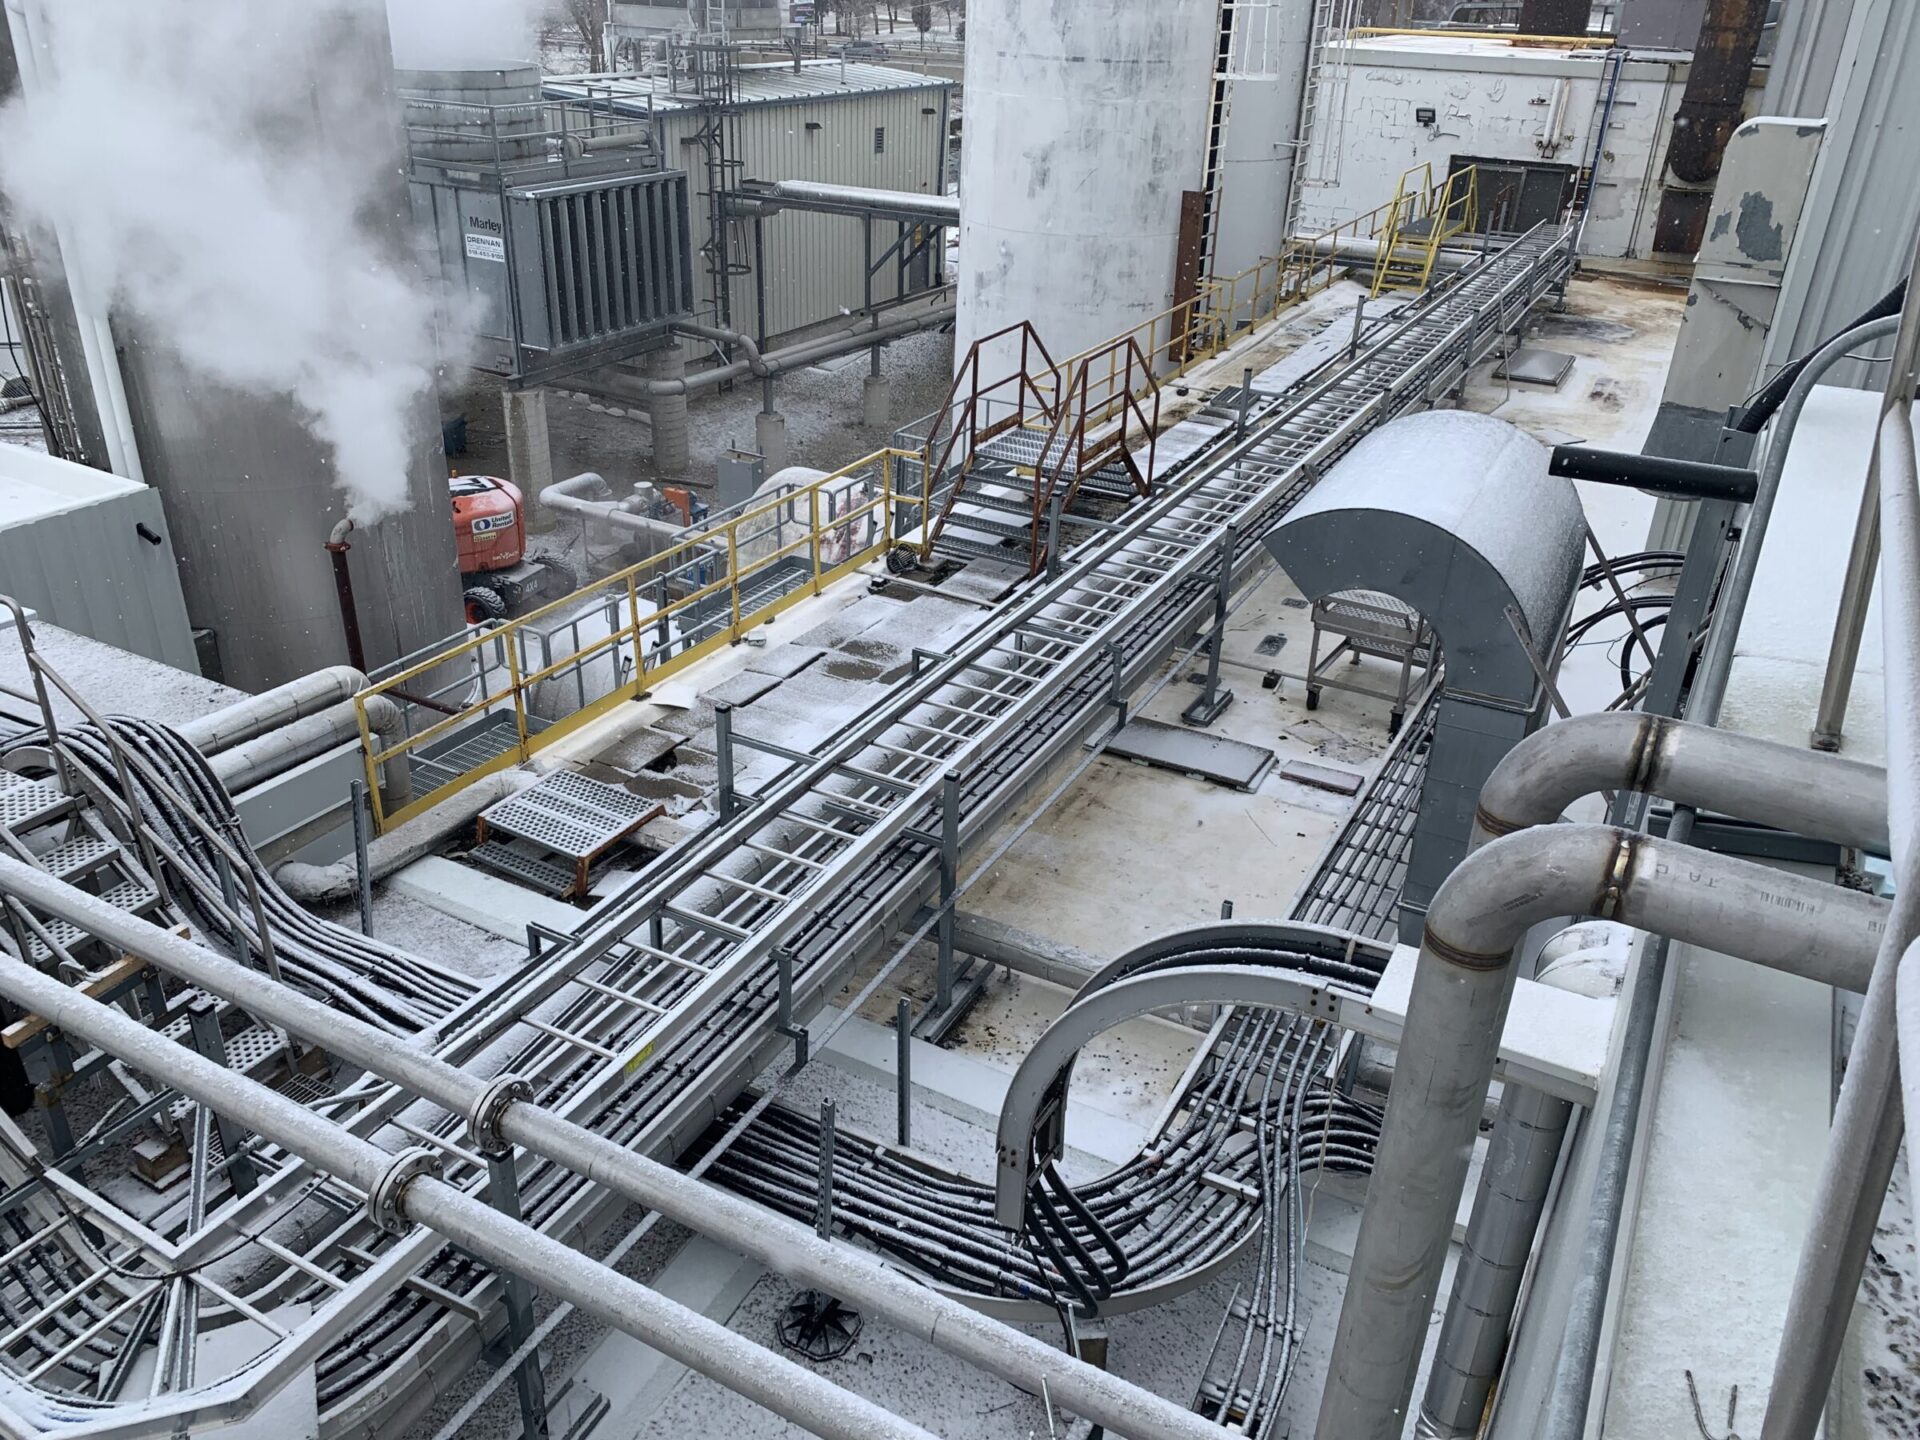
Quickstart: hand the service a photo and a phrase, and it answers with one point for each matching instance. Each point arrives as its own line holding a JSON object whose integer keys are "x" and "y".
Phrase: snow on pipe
{"x": 565, "y": 495}
{"x": 254, "y": 716}
{"x": 278, "y": 751}
{"x": 1695, "y": 765}
{"x": 405, "y": 1189}
{"x": 499, "y": 1114}
{"x": 1461, "y": 988}
{"x": 943, "y": 209}
{"x": 401, "y": 846}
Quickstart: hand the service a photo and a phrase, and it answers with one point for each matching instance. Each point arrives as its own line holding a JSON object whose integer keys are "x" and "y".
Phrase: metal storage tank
{"x": 249, "y": 491}
{"x": 1085, "y": 123}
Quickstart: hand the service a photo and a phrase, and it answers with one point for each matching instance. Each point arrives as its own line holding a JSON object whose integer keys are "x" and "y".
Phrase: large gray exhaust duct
{"x": 1455, "y": 515}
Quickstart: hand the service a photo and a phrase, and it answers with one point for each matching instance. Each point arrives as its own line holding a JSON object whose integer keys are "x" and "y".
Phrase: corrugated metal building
{"x": 845, "y": 124}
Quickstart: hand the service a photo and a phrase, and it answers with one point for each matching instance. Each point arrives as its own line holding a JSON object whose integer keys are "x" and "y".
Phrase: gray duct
{"x": 1455, "y": 515}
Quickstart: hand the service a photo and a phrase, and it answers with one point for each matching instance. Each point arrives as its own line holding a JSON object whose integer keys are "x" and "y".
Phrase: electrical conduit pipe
{"x": 404, "y": 1190}
{"x": 1461, "y": 989}
{"x": 499, "y": 1114}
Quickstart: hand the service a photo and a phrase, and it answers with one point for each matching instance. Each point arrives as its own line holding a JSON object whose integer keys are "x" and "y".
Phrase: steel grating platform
{"x": 566, "y": 815}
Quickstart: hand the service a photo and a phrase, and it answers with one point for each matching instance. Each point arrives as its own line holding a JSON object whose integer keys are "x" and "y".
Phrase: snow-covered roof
{"x": 34, "y": 485}
{"x": 775, "y": 84}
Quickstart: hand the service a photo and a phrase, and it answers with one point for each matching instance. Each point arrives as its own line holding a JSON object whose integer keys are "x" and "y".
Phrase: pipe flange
{"x": 483, "y": 1120}
{"x": 383, "y": 1201}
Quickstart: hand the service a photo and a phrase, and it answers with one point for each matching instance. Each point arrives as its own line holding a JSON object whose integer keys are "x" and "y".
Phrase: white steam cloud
{"x": 461, "y": 34}
{"x": 223, "y": 170}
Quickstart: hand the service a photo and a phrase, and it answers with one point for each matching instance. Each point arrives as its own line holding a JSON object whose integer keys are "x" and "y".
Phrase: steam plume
{"x": 222, "y": 170}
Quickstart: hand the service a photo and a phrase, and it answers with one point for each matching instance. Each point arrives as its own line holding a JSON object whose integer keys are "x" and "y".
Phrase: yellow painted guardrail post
{"x": 733, "y": 574}
{"x": 367, "y": 762}
{"x": 634, "y": 635}
{"x": 511, "y": 637}
{"x": 813, "y": 530}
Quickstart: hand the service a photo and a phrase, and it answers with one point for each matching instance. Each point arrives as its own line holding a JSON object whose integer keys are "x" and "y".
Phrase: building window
{"x": 879, "y": 139}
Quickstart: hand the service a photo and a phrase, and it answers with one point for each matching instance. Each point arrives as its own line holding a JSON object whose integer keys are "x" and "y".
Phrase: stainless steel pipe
{"x": 400, "y": 1192}
{"x": 498, "y": 1112}
{"x": 1646, "y": 754}
{"x": 1461, "y": 990}
{"x": 1869, "y": 1119}
{"x": 1572, "y": 1390}
{"x": 1696, "y": 765}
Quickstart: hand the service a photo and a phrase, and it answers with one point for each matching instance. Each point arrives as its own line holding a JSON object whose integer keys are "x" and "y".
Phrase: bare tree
{"x": 589, "y": 20}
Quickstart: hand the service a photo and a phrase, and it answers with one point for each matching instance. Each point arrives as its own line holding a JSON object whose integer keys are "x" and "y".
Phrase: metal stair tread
{"x": 27, "y": 803}
{"x": 73, "y": 858}
{"x": 516, "y": 864}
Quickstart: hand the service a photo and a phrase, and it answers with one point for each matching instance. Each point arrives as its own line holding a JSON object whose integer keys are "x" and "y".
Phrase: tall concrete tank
{"x": 1085, "y": 122}
{"x": 249, "y": 491}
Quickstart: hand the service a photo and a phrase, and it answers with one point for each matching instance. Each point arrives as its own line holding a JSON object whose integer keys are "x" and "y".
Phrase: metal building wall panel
{"x": 1497, "y": 103}
{"x": 815, "y": 263}
{"x": 89, "y": 570}
{"x": 1857, "y": 234}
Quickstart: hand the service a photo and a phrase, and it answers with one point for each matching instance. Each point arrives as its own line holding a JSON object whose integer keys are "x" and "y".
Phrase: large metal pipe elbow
{"x": 1461, "y": 989}
{"x": 1709, "y": 769}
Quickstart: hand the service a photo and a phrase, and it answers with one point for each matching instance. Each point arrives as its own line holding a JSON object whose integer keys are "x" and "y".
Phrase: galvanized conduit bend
{"x": 1697, "y": 766}
{"x": 404, "y": 1190}
{"x": 499, "y": 1116}
{"x": 1461, "y": 989}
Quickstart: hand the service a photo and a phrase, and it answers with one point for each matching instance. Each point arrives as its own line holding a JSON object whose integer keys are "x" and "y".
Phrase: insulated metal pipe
{"x": 778, "y": 362}
{"x": 402, "y": 1190}
{"x": 1461, "y": 989}
{"x": 1514, "y": 1181}
{"x": 1738, "y": 775}
{"x": 499, "y": 1114}
{"x": 256, "y": 715}
{"x": 258, "y": 760}
{"x": 564, "y": 495}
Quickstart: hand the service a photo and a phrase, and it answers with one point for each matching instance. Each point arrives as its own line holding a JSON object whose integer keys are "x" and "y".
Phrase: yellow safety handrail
{"x": 836, "y": 539}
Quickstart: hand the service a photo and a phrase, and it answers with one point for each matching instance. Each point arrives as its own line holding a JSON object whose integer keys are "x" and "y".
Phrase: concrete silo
{"x": 1085, "y": 123}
